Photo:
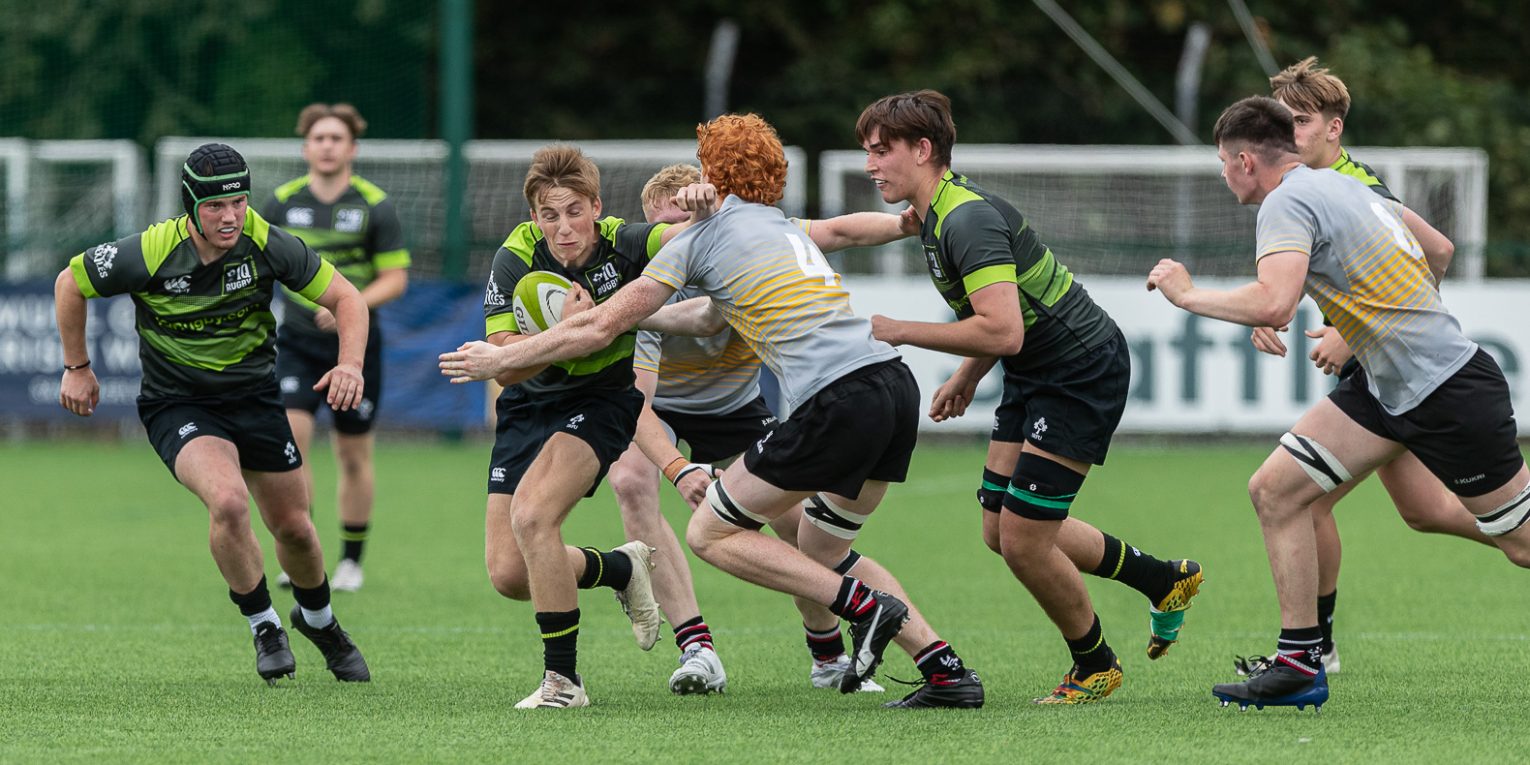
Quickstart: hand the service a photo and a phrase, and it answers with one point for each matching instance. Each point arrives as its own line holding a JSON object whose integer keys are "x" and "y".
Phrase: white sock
{"x": 320, "y": 618}
{"x": 268, "y": 615}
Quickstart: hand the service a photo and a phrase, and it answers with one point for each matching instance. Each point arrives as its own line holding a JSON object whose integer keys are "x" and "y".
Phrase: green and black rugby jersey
{"x": 1361, "y": 172}
{"x": 973, "y": 239}
{"x": 622, "y": 250}
{"x": 359, "y": 233}
{"x": 203, "y": 328}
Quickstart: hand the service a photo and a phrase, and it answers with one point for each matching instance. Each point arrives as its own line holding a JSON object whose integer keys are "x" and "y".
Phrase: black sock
{"x": 312, "y": 599}
{"x": 1325, "y": 618}
{"x": 938, "y": 658}
{"x": 827, "y": 645}
{"x": 1135, "y": 569}
{"x": 560, "y": 641}
{"x": 253, "y": 602}
{"x": 353, "y": 536}
{"x": 1091, "y": 653}
{"x": 854, "y": 598}
{"x": 605, "y": 569}
{"x": 1301, "y": 648}
{"x": 693, "y": 632}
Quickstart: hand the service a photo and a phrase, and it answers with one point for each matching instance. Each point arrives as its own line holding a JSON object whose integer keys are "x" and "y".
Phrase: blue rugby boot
{"x": 1275, "y": 684}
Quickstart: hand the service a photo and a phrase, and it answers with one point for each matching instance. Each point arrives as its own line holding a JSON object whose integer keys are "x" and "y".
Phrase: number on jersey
{"x": 811, "y": 260}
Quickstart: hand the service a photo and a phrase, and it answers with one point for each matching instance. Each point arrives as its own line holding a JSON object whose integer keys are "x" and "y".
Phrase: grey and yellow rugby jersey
{"x": 973, "y": 239}
{"x": 1367, "y": 273}
{"x": 776, "y": 292}
{"x": 203, "y": 328}
{"x": 359, "y": 233}
{"x": 701, "y": 375}
{"x": 1346, "y": 165}
{"x": 621, "y": 251}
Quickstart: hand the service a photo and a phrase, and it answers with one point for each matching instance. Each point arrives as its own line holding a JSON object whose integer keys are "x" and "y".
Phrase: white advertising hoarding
{"x": 1196, "y": 375}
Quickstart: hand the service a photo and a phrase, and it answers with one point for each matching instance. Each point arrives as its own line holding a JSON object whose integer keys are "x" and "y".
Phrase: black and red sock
{"x": 693, "y": 632}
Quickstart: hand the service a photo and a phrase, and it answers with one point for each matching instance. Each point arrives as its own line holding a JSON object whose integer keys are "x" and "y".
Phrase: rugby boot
{"x": 341, "y": 656}
{"x": 1168, "y": 614}
{"x": 1085, "y": 689}
{"x": 556, "y": 692}
{"x": 1275, "y": 685}
{"x": 637, "y": 599}
{"x": 958, "y": 690}
{"x": 828, "y": 674}
{"x": 273, "y": 656}
{"x": 870, "y": 632}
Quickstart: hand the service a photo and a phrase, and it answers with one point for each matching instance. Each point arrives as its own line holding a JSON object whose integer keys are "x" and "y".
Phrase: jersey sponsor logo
{"x": 291, "y": 453}
{"x": 603, "y": 280}
{"x": 350, "y": 219}
{"x": 932, "y": 259}
{"x": 497, "y": 475}
{"x": 1039, "y": 428}
{"x": 197, "y": 325}
{"x": 103, "y": 257}
{"x": 238, "y": 276}
{"x": 492, "y": 295}
{"x": 573, "y": 422}
{"x": 187, "y": 429}
{"x": 300, "y": 216}
{"x": 180, "y": 285}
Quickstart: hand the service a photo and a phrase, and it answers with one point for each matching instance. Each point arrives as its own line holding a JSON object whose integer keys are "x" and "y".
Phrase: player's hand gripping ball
{"x": 538, "y": 301}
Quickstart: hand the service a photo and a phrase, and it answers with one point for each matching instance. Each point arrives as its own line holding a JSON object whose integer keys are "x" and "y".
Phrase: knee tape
{"x": 1316, "y": 460}
{"x": 851, "y": 558}
{"x": 731, "y": 512}
{"x": 831, "y": 518}
{"x": 990, "y": 494}
{"x": 1507, "y": 518}
{"x": 1042, "y": 490}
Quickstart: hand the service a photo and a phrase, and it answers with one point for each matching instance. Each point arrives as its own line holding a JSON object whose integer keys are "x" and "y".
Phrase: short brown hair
{"x": 909, "y": 117}
{"x": 742, "y": 156}
{"x": 1311, "y": 88}
{"x": 669, "y": 180}
{"x": 346, "y": 113}
{"x": 1260, "y": 122}
{"x": 561, "y": 165}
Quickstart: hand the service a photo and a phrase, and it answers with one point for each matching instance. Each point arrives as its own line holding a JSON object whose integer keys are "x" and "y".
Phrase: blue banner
{"x": 431, "y": 318}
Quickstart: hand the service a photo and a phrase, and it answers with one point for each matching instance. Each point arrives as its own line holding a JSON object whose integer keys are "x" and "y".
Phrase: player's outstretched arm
{"x": 695, "y": 317}
{"x": 1269, "y": 302}
{"x": 862, "y": 229}
{"x": 79, "y": 392}
{"x": 344, "y": 382}
{"x": 1438, "y": 249}
{"x": 575, "y": 336}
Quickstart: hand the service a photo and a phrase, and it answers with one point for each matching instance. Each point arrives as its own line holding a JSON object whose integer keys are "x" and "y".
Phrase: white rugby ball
{"x": 538, "y": 301}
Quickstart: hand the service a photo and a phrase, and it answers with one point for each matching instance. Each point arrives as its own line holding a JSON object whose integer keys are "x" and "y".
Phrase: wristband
{"x": 72, "y": 367}
{"x": 691, "y": 468}
{"x": 672, "y": 470}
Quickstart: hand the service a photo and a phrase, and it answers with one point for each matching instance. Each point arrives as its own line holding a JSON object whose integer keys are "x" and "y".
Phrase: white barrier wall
{"x": 1191, "y": 374}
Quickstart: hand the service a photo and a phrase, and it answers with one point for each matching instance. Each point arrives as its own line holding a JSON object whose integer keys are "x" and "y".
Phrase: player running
{"x": 1422, "y": 387}
{"x": 202, "y": 284}
{"x": 1319, "y": 103}
{"x": 1066, "y": 369}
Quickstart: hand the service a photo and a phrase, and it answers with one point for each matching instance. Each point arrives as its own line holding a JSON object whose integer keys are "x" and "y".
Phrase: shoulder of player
{"x": 369, "y": 191}
{"x": 270, "y": 239}
{"x": 290, "y": 189}
{"x": 959, "y": 208}
{"x": 522, "y": 242}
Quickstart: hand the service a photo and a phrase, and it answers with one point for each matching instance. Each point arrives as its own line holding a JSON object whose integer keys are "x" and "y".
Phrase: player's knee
{"x": 699, "y": 537}
{"x": 629, "y": 485}
{"x": 832, "y": 519}
{"x": 229, "y": 506}
{"x": 509, "y": 579}
{"x": 527, "y": 523}
{"x": 1042, "y": 490}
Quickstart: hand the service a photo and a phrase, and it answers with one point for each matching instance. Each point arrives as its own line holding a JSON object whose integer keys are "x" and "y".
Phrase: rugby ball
{"x": 538, "y": 301}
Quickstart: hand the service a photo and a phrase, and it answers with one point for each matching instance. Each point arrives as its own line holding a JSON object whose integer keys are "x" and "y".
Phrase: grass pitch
{"x": 120, "y": 644}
